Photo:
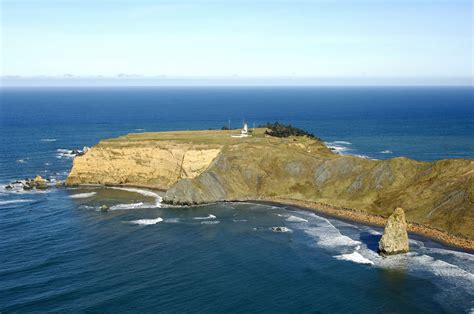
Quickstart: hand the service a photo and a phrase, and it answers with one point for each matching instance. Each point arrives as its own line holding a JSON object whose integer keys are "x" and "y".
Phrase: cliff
{"x": 208, "y": 166}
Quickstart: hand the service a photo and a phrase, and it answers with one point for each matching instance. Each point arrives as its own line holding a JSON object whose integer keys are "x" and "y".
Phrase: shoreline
{"x": 455, "y": 241}
{"x": 349, "y": 214}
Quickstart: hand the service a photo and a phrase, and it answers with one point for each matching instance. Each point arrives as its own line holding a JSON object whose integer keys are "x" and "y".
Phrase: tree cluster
{"x": 285, "y": 130}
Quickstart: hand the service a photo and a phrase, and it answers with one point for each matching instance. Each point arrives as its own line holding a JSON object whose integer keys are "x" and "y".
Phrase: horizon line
{"x": 131, "y": 80}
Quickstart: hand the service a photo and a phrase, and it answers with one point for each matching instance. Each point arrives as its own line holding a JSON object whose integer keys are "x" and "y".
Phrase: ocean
{"x": 59, "y": 252}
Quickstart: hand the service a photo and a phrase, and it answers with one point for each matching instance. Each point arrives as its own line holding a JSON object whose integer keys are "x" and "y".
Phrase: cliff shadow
{"x": 370, "y": 240}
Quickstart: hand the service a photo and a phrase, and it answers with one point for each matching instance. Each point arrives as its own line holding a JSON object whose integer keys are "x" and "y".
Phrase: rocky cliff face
{"x": 141, "y": 161}
{"x": 219, "y": 168}
{"x": 395, "y": 236}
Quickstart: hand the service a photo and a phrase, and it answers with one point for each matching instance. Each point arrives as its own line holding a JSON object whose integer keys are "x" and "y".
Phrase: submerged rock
{"x": 104, "y": 208}
{"x": 280, "y": 229}
{"x": 395, "y": 236}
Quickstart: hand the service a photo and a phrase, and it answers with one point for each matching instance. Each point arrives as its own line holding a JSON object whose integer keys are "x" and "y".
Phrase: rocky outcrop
{"x": 38, "y": 183}
{"x": 395, "y": 237}
{"x": 208, "y": 166}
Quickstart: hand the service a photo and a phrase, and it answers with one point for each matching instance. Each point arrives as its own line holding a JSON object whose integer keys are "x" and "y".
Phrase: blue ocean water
{"x": 58, "y": 252}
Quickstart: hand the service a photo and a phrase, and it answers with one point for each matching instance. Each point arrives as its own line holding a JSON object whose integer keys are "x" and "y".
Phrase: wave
{"x": 9, "y": 202}
{"x": 387, "y": 151}
{"x": 354, "y": 257}
{"x": 296, "y": 219}
{"x": 143, "y": 192}
{"x": 83, "y": 195}
{"x": 329, "y": 236}
{"x": 342, "y": 142}
{"x": 64, "y": 153}
{"x": 239, "y": 220}
{"x": 207, "y": 217}
{"x": 129, "y": 206}
{"x": 214, "y": 222}
{"x": 338, "y": 148}
{"x": 21, "y": 161}
{"x": 145, "y": 222}
{"x": 48, "y": 140}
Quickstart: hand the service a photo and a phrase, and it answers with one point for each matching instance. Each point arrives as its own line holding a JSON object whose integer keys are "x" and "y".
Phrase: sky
{"x": 411, "y": 40}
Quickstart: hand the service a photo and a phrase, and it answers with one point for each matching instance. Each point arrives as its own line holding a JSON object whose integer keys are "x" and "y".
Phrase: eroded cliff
{"x": 149, "y": 160}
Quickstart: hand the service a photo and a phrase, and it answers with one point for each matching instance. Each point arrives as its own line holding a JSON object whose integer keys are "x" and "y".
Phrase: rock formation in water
{"x": 395, "y": 236}
{"x": 208, "y": 166}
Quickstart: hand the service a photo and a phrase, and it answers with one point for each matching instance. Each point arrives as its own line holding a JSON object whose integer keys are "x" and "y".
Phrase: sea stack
{"x": 395, "y": 236}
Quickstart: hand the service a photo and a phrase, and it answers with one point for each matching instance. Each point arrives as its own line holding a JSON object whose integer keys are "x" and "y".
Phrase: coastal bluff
{"x": 196, "y": 167}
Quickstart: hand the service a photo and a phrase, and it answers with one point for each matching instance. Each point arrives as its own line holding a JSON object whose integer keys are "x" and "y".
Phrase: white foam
{"x": 21, "y": 161}
{"x": 48, "y": 140}
{"x": 145, "y": 222}
{"x": 143, "y": 192}
{"x": 83, "y": 195}
{"x": 207, "y": 217}
{"x": 363, "y": 156}
{"x": 328, "y": 235}
{"x": 17, "y": 188}
{"x": 442, "y": 268}
{"x": 337, "y": 147}
{"x": 14, "y": 202}
{"x": 354, "y": 257}
{"x": 64, "y": 153}
{"x": 296, "y": 219}
{"x": 387, "y": 151}
{"x": 342, "y": 142}
{"x": 214, "y": 222}
{"x": 128, "y": 206}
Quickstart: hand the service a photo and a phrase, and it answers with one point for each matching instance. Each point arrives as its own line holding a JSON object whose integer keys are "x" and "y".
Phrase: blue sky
{"x": 320, "y": 38}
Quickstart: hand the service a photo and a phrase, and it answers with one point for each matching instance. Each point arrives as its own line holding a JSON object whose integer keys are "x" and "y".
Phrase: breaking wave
{"x": 387, "y": 151}
{"x": 354, "y": 257}
{"x": 145, "y": 222}
{"x": 329, "y": 236}
{"x": 296, "y": 219}
{"x": 9, "y": 202}
{"x": 207, "y": 217}
{"x": 83, "y": 195}
{"x": 143, "y": 192}
{"x": 48, "y": 140}
{"x": 129, "y": 206}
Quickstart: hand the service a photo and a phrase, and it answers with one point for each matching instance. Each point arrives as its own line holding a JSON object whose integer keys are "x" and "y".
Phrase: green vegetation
{"x": 285, "y": 130}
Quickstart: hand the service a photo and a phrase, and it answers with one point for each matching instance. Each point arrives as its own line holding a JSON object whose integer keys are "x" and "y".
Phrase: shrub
{"x": 285, "y": 130}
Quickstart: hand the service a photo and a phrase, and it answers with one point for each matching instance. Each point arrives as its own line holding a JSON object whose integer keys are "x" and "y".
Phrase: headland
{"x": 197, "y": 167}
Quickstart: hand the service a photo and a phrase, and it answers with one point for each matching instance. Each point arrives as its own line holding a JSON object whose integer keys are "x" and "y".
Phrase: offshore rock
{"x": 395, "y": 236}
{"x": 40, "y": 183}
